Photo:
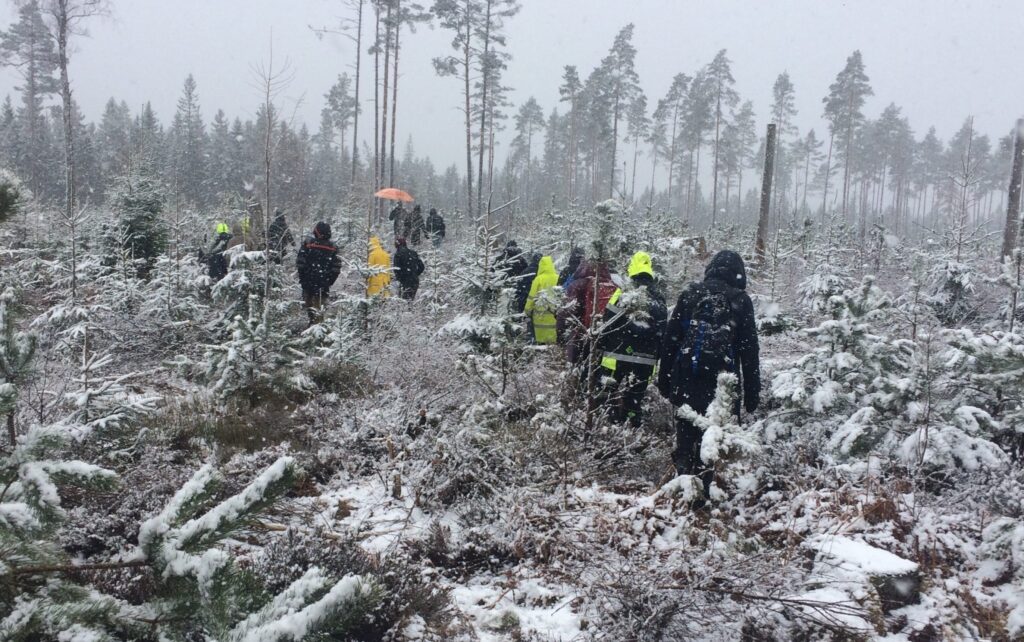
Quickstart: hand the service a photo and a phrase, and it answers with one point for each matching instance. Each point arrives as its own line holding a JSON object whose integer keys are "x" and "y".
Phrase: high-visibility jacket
{"x": 633, "y": 340}
{"x": 541, "y": 303}
{"x": 379, "y": 263}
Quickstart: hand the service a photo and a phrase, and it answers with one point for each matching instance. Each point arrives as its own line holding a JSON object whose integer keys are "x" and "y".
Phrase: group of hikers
{"x": 619, "y": 336}
{"x": 617, "y": 332}
{"x": 317, "y": 262}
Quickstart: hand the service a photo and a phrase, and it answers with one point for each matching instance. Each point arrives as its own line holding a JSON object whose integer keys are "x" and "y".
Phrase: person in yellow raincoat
{"x": 541, "y": 303}
{"x": 380, "y": 269}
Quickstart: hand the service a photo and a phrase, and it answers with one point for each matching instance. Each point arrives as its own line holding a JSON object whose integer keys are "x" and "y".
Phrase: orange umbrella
{"x": 394, "y": 194}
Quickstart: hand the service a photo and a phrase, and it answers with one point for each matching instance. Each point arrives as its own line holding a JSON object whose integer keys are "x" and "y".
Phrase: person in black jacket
{"x": 630, "y": 339}
{"x": 280, "y": 236}
{"x": 400, "y": 216}
{"x": 576, "y": 256}
{"x": 510, "y": 266}
{"x": 319, "y": 266}
{"x": 435, "y": 227}
{"x": 711, "y": 330}
{"x": 414, "y": 226}
{"x": 216, "y": 262}
{"x": 408, "y": 268}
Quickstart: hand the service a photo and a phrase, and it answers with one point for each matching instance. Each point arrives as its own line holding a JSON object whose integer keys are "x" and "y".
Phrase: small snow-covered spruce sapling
{"x": 725, "y": 444}
{"x": 35, "y": 602}
{"x": 200, "y": 583}
{"x": 855, "y": 374}
{"x": 16, "y": 352}
{"x": 256, "y": 359}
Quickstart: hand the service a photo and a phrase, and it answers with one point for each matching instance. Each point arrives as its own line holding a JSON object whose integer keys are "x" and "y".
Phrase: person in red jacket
{"x": 586, "y": 300}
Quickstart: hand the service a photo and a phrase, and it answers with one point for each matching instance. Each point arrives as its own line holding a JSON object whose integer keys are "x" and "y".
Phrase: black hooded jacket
{"x": 725, "y": 273}
{"x": 317, "y": 261}
{"x": 408, "y": 266}
{"x": 435, "y": 224}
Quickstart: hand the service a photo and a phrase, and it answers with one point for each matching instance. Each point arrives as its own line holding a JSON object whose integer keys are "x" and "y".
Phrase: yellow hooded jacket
{"x": 543, "y": 311}
{"x": 380, "y": 268}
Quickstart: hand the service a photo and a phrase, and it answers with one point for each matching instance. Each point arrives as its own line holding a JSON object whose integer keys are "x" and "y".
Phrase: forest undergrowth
{"x": 192, "y": 462}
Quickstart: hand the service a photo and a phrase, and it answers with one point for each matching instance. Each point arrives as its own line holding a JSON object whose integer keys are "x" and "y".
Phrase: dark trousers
{"x": 686, "y": 456}
{"x": 408, "y": 290}
{"x": 314, "y": 303}
{"x": 631, "y": 380}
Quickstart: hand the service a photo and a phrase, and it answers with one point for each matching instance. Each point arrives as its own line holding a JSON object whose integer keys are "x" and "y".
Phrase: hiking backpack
{"x": 708, "y": 343}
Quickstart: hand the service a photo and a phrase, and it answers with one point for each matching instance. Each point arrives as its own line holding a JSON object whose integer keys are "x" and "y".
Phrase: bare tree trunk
{"x": 671, "y": 155}
{"x": 654, "y": 171}
{"x": 355, "y": 117}
{"x": 572, "y": 148}
{"x": 846, "y": 164}
{"x": 636, "y": 152}
{"x": 615, "y": 144}
{"x": 374, "y": 204}
{"x": 384, "y": 110}
{"x": 466, "y": 61}
{"x": 696, "y": 178}
{"x": 62, "y": 20}
{"x": 714, "y": 168}
{"x": 394, "y": 93}
{"x": 484, "y": 86}
{"x": 1012, "y": 230}
{"x": 828, "y": 173}
{"x": 760, "y": 243}
{"x": 739, "y": 194}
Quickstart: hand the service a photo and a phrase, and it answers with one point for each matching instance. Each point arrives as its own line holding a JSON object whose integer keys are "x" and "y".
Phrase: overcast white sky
{"x": 941, "y": 60}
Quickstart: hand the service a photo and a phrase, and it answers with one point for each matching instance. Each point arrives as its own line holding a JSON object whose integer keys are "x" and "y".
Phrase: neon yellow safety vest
{"x": 610, "y": 359}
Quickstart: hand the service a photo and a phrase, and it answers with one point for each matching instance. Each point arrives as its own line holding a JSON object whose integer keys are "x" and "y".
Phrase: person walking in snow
{"x": 576, "y": 256}
{"x": 510, "y": 266}
{"x": 414, "y": 226}
{"x": 542, "y": 302}
{"x": 408, "y": 268}
{"x": 400, "y": 216}
{"x": 216, "y": 262}
{"x": 586, "y": 299}
{"x": 712, "y": 330}
{"x": 630, "y": 339}
{"x": 434, "y": 227}
{"x": 280, "y": 236}
{"x": 318, "y": 266}
{"x": 379, "y": 263}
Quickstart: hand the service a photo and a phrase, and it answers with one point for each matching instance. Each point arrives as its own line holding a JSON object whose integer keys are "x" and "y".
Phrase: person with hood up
{"x": 216, "y": 262}
{"x": 630, "y": 340}
{"x": 586, "y": 298}
{"x": 414, "y": 226}
{"x": 318, "y": 265}
{"x": 400, "y": 216}
{"x": 434, "y": 227}
{"x": 576, "y": 256}
{"x": 379, "y": 262}
{"x": 712, "y": 330}
{"x": 542, "y": 302}
{"x": 523, "y": 283}
{"x": 280, "y": 236}
{"x": 408, "y": 268}
{"x": 510, "y": 266}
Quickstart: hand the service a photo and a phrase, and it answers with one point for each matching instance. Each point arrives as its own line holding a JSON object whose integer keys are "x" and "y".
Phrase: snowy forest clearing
{"x": 496, "y": 515}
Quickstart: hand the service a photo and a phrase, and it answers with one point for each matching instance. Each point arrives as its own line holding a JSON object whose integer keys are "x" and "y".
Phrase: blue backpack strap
{"x": 698, "y": 344}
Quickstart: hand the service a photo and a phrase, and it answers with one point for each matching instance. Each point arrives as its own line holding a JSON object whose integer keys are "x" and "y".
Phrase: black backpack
{"x": 708, "y": 343}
